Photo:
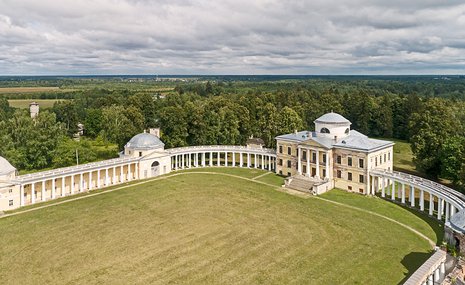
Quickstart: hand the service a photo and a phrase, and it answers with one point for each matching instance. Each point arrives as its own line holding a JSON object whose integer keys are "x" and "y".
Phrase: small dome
{"x": 145, "y": 141}
{"x": 5, "y": 167}
{"x": 457, "y": 221}
{"x": 332, "y": 118}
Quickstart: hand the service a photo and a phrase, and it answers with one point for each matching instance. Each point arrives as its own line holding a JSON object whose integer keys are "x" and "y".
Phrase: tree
{"x": 288, "y": 121}
{"x": 452, "y": 158}
{"x": 117, "y": 127}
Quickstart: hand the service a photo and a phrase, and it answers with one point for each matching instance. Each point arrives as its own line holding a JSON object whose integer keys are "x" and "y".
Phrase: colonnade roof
{"x": 221, "y": 148}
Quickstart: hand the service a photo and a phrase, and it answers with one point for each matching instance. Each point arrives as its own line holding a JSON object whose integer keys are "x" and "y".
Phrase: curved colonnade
{"x": 220, "y": 155}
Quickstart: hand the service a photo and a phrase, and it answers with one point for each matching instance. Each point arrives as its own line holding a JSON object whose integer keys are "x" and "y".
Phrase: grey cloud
{"x": 200, "y": 36}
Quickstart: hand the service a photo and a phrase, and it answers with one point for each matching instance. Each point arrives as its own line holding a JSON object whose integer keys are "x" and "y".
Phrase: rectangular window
{"x": 389, "y": 156}
{"x": 338, "y": 159}
{"x": 376, "y": 161}
{"x": 360, "y": 162}
{"x": 10, "y": 203}
{"x": 304, "y": 155}
{"x": 384, "y": 157}
{"x": 349, "y": 161}
{"x": 10, "y": 191}
{"x": 140, "y": 153}
{"x": 289, "y": 163}
{"x": 360, "y": 190}
{"x": 313, "y": 157}
{"x": 349, "y": 176}
{"x": 280, "y": 163}
{"x": 280, "y": 149}
{"x": 324, "y": 158}
{"x": 297, "y": 166}
{"x": 280, "y": 172}
{"x": 361, "y": 178}
{"x": 288, "y": 174}
{"x": 339, "y": 174}
{"x": 349, "y": 187}
{"x": 324, "y": 172}
{"x": 289, "y": 150}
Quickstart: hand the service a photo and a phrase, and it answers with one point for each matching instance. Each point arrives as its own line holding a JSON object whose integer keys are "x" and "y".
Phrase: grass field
{"x": 24, "y": 103}
{"x": 199, "y": 228}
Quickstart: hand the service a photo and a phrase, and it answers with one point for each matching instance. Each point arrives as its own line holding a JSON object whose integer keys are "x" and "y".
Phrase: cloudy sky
{"x": 231, "y": 37}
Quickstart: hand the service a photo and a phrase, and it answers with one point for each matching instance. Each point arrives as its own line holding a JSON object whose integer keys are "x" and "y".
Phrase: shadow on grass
{"x": 412, "y": 262}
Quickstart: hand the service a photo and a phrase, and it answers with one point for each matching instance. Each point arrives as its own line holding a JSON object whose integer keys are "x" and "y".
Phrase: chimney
{"x": 155, "y": 132}
{"x": 295, "y": 132}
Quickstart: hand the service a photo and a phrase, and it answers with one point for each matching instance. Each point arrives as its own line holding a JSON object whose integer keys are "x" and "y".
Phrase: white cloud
{"x": 231, "y": 36}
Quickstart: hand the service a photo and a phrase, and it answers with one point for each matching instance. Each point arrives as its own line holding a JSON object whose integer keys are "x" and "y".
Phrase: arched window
{"x": 347, "y": 131}
{"x": 324, "y": 131}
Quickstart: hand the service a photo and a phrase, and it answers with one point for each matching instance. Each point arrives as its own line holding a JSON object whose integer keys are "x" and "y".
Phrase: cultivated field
{"x": 12, "y": 90}
{"x": 212, "y": 228}
{"x": 24, "y": 103}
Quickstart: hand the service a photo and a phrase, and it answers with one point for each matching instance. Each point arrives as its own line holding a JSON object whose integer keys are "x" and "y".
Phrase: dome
{"x": 5, "y": 167}
{"x": 145, "y": 141}
{"x": 457, "y": 221}
{"x": 332, "y": 118}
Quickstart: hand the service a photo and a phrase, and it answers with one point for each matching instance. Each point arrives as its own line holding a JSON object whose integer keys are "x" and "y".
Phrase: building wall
{"x": 283, "y": 169}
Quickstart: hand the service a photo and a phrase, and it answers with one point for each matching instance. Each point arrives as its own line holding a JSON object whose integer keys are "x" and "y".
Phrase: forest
{"x": 429, "y": 112}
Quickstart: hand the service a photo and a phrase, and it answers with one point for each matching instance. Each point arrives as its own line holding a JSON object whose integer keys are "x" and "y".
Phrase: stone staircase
{"x": 299, "y": 183}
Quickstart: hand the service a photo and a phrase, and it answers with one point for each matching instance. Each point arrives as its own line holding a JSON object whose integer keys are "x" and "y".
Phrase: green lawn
{"x": 209, "y": 229}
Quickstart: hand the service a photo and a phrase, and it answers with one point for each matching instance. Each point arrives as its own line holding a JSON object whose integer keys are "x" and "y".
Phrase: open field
{"x": 11, "y": 90}
{"x": 211, "y": 228}
{"x": 24, "y": 103}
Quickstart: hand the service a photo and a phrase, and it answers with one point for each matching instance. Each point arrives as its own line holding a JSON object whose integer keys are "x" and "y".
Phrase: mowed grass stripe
{"x": 203, "y": 229}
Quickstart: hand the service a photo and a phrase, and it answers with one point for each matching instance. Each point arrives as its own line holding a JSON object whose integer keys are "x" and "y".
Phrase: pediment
{"x": 313, "y": 144}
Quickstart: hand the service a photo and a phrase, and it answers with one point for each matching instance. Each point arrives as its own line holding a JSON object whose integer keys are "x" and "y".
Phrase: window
{"x": 313, "y": 156}
{"x": 376, "y": 161}
{"x": 360, "y": 162}
{"x": 361, "y": 178}
{"x": 339, "y": 174}
{"x": 349, "y": 161}
{"x": 384, "y": 157}
{"x": 324, "y": 131}
{"x": 324, "y": 172}
{"x": 289, "y": 150}
{"x": 10, "y": 203}
{"x": 140, "y": 153}
{"x": 288, "y": 174}
{"x": 347, "y": 131}
{"x": 297, "y": 166}
{"x": 304, "y": 154}
{"x": 360, "y": 190}
{"x": 289, "y": 163}
{"x": 324, "y": 158}
{"x": 389, "y": 156}
{"x": 280, "y": 172}
{"x": 10, "y": 190}
{"x": 349, "y": 176}
{"x": 349, "y": 188}
{"x": 280, "y": 162}
{"x": 280, "y": 149}
{"x": 338, "y": 159}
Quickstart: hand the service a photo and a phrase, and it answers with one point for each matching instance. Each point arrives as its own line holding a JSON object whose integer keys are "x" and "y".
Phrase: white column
{"x": 121, "y": 174}
{"x": 63, "y": 190}
{"x": 393, "y": 190}
{"x": 203, "y": 159}
{"x": 447, "y": 211}
{"x": 176, "y": 162}
{"x": 263, "y": 161}
{"x": 72, "y": 184}
{"x": 270, "y": 163}
{"x": 327, "y": 166}
{"x": 225, "y": 158}
{"x": 368, "y": 189}
{"x": 106, "y": 177}
{"x": 431, "y": 204}
{"x": 218, "y": 162}
{"x": 430, "y": 280}
{"x": 452, "y": 210}
{"x": 98, "y": 179}
{"x": 299, "y": 163}
{"x": 210, "y": 161}
{"x": 81, "y": 182}
{"x": 308, "y": 162}
{"x": 383, "y": 190}
{"x": 439, "y": 208}
{"x": 436, "y": 275}
{"x": 317, "y": 164}
{"x": 422, "y": 199}
{"x": 233, "y": 159}
{"x": 189, "y": 160}
{"x": 53, "y": 188}
{"x": 241, "y": 159}
{"x": 403, "y": 193}
{"x": 248, "y": 159}
{"x": 43, "y": 190}
{"x": 412, "y": 196}
{"x": 90, "y": 180}
{"x": 33, "y": 192}
{"x": 21, "y": 195}
{"x": 443, "y": 267}
{"x": 114, "y": 175}
{"x": 255, "y": 161}
{"x": 129, "y": 172}
{"x": 137, "y": 170}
